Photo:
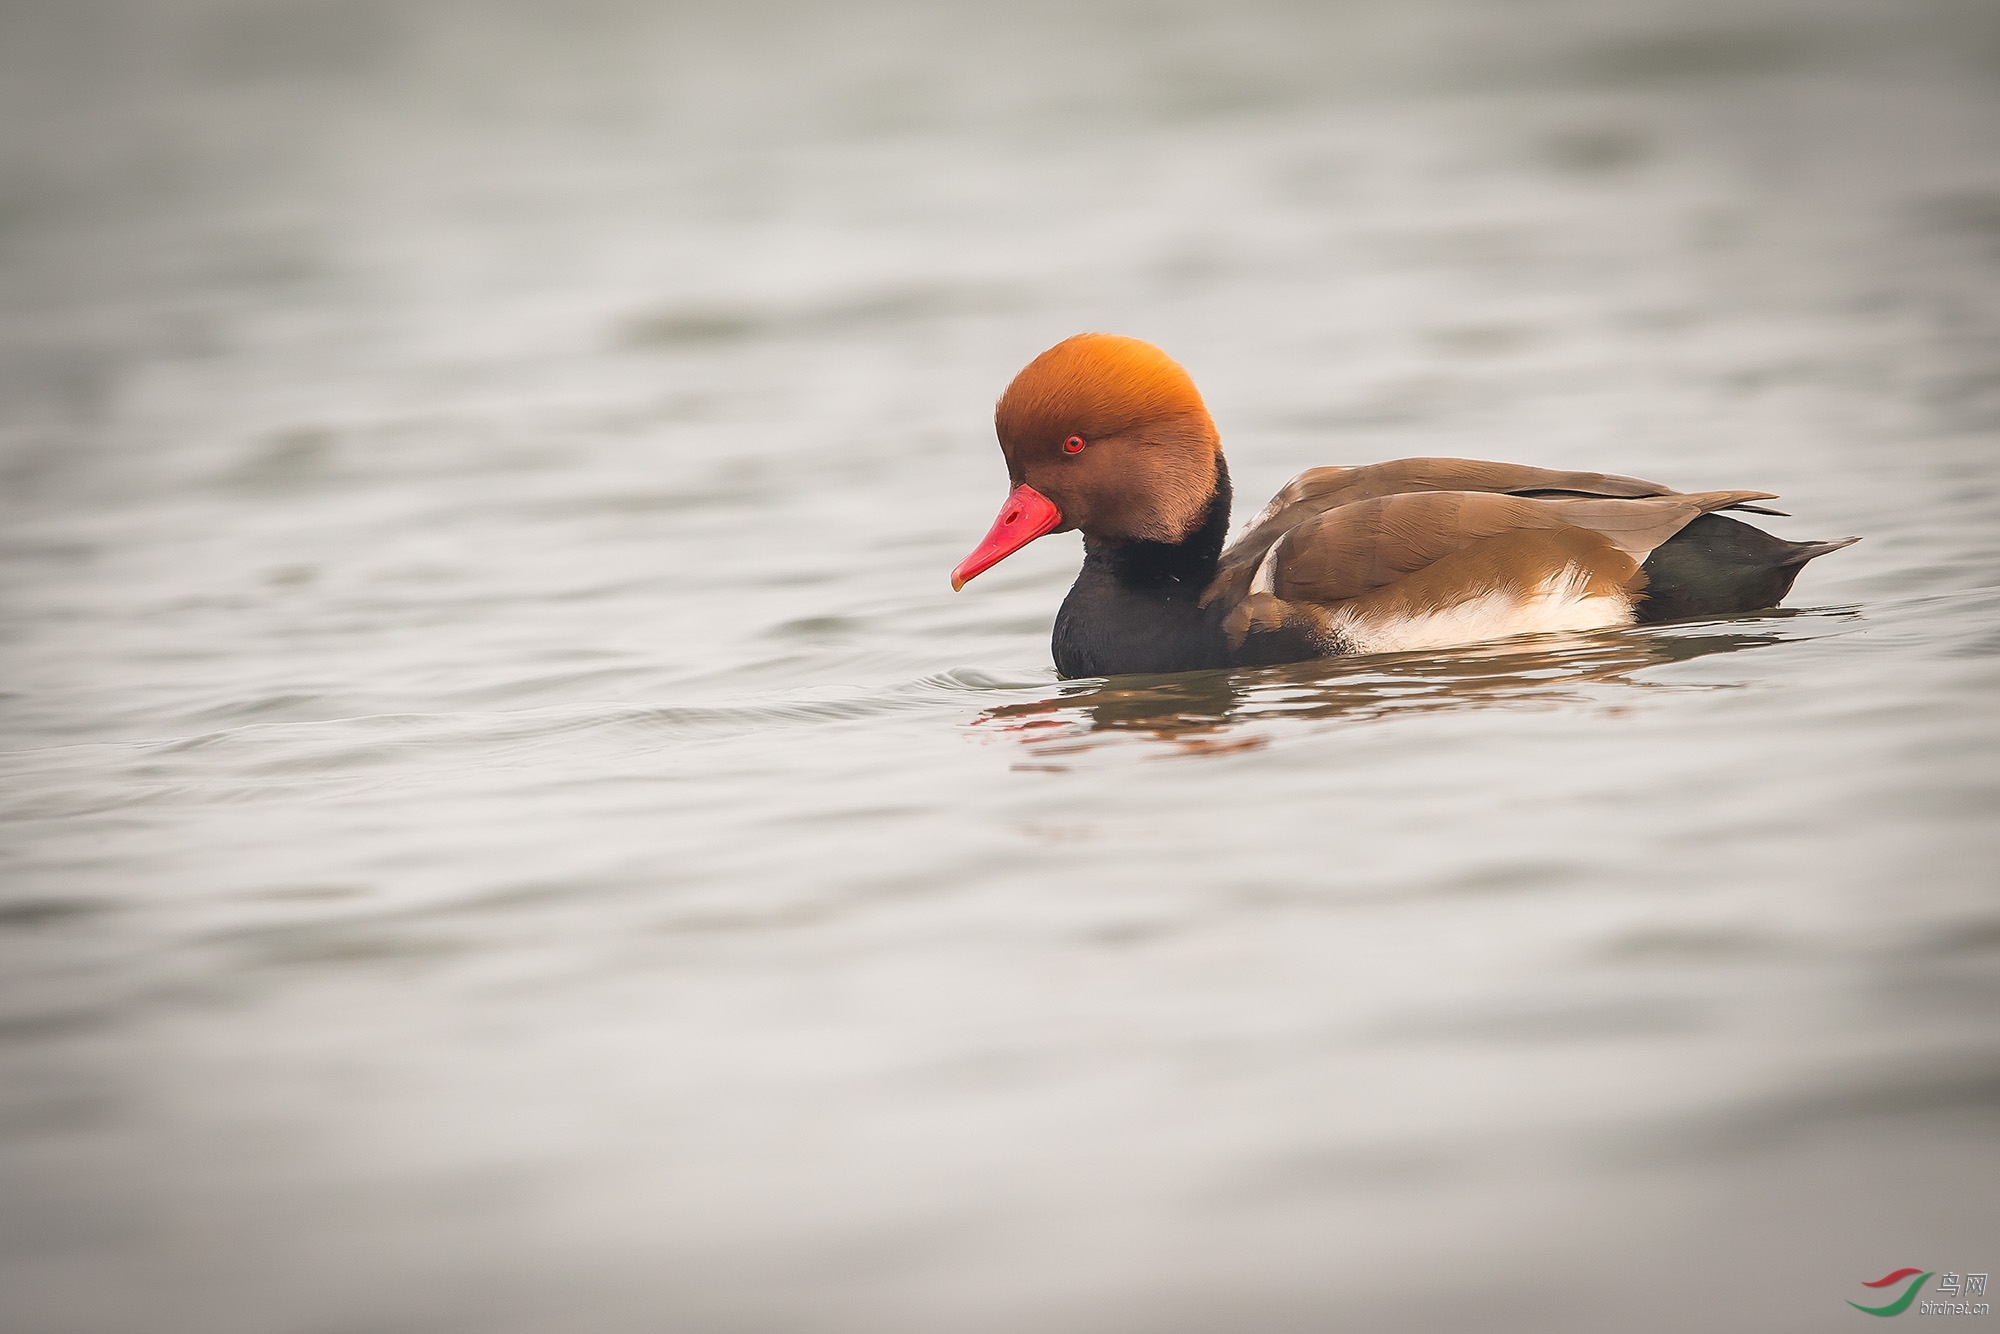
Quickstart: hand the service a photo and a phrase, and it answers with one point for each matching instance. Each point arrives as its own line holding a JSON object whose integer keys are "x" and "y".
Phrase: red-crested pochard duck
{"x": 1107, "y": 435}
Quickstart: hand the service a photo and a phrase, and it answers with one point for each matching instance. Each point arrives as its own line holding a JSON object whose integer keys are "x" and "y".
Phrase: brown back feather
{"x": 1337, "y": 558}
{"x": 1355, "y": 548}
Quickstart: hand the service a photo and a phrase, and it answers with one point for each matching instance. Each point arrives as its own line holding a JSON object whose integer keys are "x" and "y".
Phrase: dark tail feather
{"x": 1805, "y": 551}
{"x": 1716, "y": 566}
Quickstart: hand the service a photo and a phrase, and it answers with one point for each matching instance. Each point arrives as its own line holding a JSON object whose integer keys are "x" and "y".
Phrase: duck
{"x": 1108, "y": 436}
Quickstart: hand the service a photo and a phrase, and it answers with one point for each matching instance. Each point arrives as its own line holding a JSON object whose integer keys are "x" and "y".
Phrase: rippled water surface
{"x": 504, "y": 826}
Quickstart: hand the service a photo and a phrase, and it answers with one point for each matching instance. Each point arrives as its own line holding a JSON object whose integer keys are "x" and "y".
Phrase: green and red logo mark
{"x": 1902, "y": 1303}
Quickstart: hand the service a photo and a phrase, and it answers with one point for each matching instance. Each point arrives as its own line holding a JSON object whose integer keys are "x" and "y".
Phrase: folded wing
{"x": 1434, "y": 551}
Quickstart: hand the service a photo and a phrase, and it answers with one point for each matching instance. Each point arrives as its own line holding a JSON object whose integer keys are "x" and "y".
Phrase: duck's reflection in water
{"x": 1216, "y": 712}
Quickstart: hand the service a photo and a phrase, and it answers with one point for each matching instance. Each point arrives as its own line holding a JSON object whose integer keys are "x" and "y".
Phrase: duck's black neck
{"x": 1188, "y": 563}
{"x": 1135, "y": 606}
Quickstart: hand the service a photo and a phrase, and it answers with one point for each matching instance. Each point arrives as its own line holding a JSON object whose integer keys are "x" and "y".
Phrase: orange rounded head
{"x": 1103, "y": 434}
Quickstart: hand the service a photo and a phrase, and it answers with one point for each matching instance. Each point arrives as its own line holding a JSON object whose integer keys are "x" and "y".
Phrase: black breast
{"x": 1135, "y": 605}
{"x": 1109, "y": 628}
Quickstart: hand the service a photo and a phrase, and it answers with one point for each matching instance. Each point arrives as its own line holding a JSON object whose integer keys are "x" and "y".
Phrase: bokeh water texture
{"x": 504, "y": 826}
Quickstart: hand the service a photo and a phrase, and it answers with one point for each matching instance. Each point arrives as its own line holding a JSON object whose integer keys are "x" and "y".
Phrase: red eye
{"x": 1073, "y": 445}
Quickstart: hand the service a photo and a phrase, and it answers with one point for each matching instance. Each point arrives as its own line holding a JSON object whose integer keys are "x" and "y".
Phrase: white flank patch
{"x": 1277, "y": 503}
{"x": 1560, "y": 603}
{"x": 1266, "y": 578}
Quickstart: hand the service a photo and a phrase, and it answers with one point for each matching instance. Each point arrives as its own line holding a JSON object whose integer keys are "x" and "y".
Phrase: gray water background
{"x": 504, "y": 826}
